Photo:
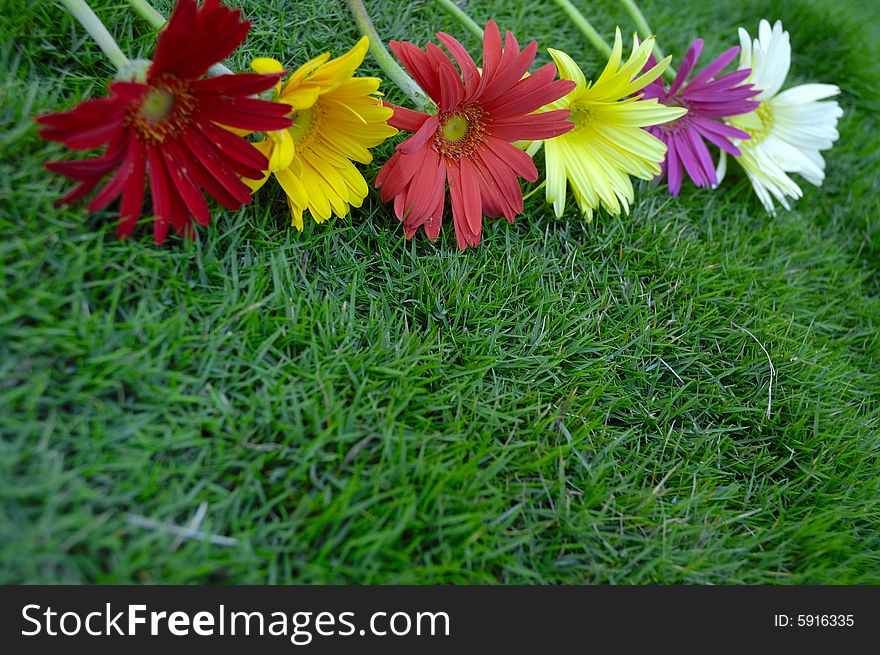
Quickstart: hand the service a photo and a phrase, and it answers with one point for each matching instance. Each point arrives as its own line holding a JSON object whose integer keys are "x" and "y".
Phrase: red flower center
{"x": 164, "y": 110}
{"x": 461, "y": 131}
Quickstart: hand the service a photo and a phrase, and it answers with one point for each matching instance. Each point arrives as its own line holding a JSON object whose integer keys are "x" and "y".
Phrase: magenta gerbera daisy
{"x": 709, "y": 98}
{"x": 468, "y": 142}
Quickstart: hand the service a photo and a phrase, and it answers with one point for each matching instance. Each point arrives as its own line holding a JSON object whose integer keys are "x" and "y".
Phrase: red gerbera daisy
{"x": 167, "y": 127}
{"x": 468, "y": 142}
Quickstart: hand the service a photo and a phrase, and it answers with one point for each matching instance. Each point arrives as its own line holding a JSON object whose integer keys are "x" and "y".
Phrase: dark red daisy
{"x": 168, "y": 127}
{"x": 468, "y": 142}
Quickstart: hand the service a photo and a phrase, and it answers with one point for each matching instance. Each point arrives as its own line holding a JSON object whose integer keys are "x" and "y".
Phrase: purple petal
{"x": 716, "y": 66}
{"x": 704, "y": 159}
{"x": 687, "y": 65}
{"x": 720, "y": 134}
{"x": 673, "y": 167}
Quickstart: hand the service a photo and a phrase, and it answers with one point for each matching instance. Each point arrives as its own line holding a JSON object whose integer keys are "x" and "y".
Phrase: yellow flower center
{"x": 306, "y": 123}
{"x": 455, "y": 128}
{"x": 164, "y": 110}
{"x": 461, "y": 131}
{"x": 581, "y": 115}
{"x": 156, "y": 106}
{"x": 758, "y": 124}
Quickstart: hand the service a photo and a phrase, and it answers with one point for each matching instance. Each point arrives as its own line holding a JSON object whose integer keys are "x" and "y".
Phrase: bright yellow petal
{"x": 296, "y": 215}
{"x": 256, "y": 185}
{"x": 266, "y": 65}
{"x": 292, "y": 186}
{"x": 337, "y": 118}
{"x": 568, "y": 69}
{"x": 298, "y": 98}
{"x": 282, "y": 150}
{"x": 306, "y": 69}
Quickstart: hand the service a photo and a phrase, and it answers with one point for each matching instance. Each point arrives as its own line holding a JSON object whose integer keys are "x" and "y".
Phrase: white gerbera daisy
{"x": 789, "y": 129}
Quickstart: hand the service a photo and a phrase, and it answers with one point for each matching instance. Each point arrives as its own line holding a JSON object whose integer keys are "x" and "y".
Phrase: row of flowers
{"x": 186, "y": 126}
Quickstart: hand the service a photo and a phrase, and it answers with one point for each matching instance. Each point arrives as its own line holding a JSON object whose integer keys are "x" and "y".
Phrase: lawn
{"x": 688, "y": 394}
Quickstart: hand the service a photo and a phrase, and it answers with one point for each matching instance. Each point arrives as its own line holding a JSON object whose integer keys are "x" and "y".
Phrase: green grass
{"x": 688, "y": 394}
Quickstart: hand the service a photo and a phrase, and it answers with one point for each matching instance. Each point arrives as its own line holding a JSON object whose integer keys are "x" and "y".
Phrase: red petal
{"x": 432, "y": 225}
{"x": 245, "y": 113}
{"x": 89, "y": 125}
{"x": 516, "y": 159}
{"x": 196, "y": 38}
{"x": 159, "y": 190}
{"x": 167, "y": 203}
{"x": 79, "y": 191}
{"x": 504, "y": 80}
{"x": 219, "y": 169}
{"x": 133, "y": 195}
{"x": 419, "y": 65}
{"x": 451, "y": 89}
{"x": 426, "y": 185}
{"x": 506, "y": 181}
{"x": 465, "y": 62}
{"x": 458, "y": 222}
{"x": 491, "y": 53}
{"x": 238, "y": 84}
{"x": 451, "y": 86}
{"x": 541, "y": 126}
{"x": 129, "y": 92}
{"x": 118, "y": 182}
{"x": 89, "y": 172}
{"x": 405, "y": 119}
{"x": 413, "y": 164}
{"x": 238, "y": 153}
{"x": 186, "y": 187}
{"x": 85, "y": 169}
{"x": 470, "y": 194}
{"x": 490, "y": 194}
{"x": 396, "y": 174}
{"x": 530, "y": 94}
{"x": 205, "y": 179}
{"x": 421, "y": 138}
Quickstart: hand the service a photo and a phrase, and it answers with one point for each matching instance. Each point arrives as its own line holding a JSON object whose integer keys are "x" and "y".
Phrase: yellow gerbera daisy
{"x": 336, "y": 119}
{"x": 608, "y": 144}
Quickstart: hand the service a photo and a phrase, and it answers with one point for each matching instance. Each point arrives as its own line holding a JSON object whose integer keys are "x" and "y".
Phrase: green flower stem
{"x": 585, "y": 26}
{"x": 642, "y": 26}
{"x": 146, "y": 11}
{"x": 459, "y": 14}
{"x": 535, "y": 190}
{"x": 392, "y": 69}
{"x": 93, "y": 25}
{"x": 645, "y": 31}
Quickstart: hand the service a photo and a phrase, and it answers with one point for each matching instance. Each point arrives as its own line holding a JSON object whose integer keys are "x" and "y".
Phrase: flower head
{"x": 608, "y": 144}
{"x": 467, "y": 143}
{"x": 709, "y": 98}
{"x": 789, "y": 129}
{"x": 336, "y": 117}
{"x": 167, "y": 127}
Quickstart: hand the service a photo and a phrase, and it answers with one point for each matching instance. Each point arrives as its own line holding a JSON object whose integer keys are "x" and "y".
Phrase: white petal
{"x": 793, "y": 160}
{"x": 745, "y": 49}
{"x": 811, "y": 125}
{"x": 804, "y": 93}
{"x": 721, "y": 169}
